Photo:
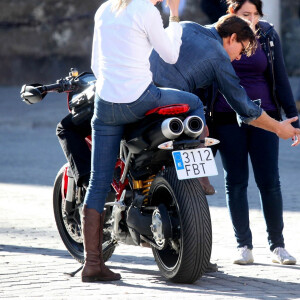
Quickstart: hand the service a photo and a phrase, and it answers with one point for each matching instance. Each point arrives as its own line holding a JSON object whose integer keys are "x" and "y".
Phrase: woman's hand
{"x": 286, "y": 130}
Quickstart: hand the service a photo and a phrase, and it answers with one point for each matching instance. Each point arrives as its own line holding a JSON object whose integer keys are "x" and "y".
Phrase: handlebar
{"x": 54, "y": 87}
{"x": 61, "y": 85}
{"x": 36, "y": 92}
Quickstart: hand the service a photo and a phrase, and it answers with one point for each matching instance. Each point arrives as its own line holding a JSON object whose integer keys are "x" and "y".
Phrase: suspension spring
{"x": 144, "y": 185}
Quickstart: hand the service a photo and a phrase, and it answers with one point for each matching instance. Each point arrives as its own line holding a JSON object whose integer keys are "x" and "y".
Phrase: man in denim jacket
{"x": 205, "y": 57}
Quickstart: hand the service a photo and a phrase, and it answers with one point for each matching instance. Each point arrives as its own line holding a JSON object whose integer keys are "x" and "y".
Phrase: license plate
{"x": 194, "y": 163}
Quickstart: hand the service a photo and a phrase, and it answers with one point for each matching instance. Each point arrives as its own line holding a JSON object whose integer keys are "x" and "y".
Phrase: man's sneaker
{"x": 245, "y": 256}
{"x": 281, "y": 256}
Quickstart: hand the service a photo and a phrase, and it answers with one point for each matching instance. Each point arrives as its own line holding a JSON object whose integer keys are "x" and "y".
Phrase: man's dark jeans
{"x": 72, "y": 140}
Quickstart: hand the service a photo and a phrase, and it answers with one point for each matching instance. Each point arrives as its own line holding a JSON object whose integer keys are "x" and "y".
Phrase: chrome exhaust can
{"x": 172, "y": 128}
{"x": 193, "y": 126}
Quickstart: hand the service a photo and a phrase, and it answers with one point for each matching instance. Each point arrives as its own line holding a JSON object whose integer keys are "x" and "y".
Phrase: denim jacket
{"x": 203, "y": 61}
{"x": 275, "y": 74}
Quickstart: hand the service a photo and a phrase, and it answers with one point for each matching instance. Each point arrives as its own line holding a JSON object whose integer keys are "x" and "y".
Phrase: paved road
{"x": 33, "y": 259}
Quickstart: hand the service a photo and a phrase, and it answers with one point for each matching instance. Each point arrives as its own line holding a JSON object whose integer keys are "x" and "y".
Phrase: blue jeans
{"x": 263, "y": 147}
{"x": 107, "y": 129}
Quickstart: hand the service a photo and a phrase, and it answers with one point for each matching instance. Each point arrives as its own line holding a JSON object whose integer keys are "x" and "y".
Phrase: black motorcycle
{"x": 155, "y": 199}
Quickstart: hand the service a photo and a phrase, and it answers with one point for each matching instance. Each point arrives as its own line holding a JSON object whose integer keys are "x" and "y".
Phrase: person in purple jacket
{"x": 265, "y": 80}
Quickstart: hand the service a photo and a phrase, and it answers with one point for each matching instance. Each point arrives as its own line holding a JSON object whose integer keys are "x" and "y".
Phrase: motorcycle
{"x": 155, "y": 198}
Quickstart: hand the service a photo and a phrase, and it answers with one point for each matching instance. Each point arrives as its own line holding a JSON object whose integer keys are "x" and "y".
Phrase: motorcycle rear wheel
{"x": 188, "y": 253}
{"x": 72, "y": 236}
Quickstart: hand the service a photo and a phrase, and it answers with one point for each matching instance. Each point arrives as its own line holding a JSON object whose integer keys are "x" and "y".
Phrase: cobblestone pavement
{"x": 33, "y": 259}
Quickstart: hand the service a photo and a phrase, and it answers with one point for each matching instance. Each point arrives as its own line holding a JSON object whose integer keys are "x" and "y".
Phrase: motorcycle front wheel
{"x": 69, "y": 227}
{"x": 188, "y": 252}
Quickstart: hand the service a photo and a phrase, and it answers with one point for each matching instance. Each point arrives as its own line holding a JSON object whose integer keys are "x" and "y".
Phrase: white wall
{"x": 271, "y": 9}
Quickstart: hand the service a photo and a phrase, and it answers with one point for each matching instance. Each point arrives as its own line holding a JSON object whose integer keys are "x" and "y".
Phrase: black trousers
{"x": 72, "y": 140}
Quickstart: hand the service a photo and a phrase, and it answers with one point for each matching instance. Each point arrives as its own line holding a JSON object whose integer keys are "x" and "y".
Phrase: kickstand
{"x": 105, "y": 247}
{"x": 72, "y": 274}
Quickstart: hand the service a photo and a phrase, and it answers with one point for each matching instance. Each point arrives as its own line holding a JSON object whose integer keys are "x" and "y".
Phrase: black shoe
{"x": 211, "y": 268}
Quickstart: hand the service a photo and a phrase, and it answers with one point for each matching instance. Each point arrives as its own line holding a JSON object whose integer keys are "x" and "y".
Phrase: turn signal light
{"x": 74, "y": 72}
{"x": 166, "y": 146}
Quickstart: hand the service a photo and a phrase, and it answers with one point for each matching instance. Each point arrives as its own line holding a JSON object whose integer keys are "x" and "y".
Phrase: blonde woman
{"x": 124, "y": 35}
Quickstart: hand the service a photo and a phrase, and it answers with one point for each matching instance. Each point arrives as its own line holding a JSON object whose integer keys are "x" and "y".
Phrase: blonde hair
{"x": 119, "y": 5}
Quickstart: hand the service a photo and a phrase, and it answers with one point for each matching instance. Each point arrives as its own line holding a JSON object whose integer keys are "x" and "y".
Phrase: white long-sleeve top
{"x": 122, "y": 45}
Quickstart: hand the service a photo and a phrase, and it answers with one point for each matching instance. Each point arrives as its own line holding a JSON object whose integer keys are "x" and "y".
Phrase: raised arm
{"x": 166, "y": 42}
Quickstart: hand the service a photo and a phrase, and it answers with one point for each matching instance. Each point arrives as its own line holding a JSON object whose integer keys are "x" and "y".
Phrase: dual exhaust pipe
{"x": 172, "y": 128}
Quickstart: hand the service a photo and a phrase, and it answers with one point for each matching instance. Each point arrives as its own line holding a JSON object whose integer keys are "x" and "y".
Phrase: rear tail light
{"x": 173, "y": 109}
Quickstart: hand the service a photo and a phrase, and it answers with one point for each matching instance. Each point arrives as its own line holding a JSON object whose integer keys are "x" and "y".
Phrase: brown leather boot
{"x": 94, "y": 268}
{"x": 103, "y": 266}
{"x": 207, "y": 187}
